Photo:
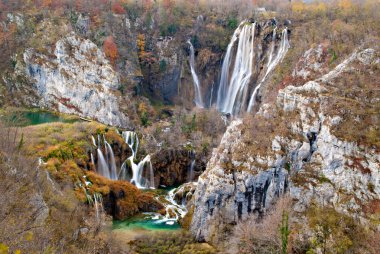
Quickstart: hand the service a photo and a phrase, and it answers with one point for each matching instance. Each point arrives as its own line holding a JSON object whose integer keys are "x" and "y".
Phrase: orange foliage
{"x": 110, "y": 49}
{"x": 168, "y": 4}
{"x": 117, "y": 8}
{"x": 47, "y": 3}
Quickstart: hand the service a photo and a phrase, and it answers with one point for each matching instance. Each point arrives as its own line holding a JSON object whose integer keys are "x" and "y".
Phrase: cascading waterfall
{"x": 173, "y": 210}
{"x": 102, "y": 167}
{"x": 236, "y": 73}
{"x": 132, "y": 140}
{"x": 106, "y": 164}
{"x": 92, "y": 159}
{"x": 224, "y": 78}
{"x": 93, "y": 141}
{"x": 98, "y": 205}
{"x": 111, "y": 161}
{"x": 234, "y": 92}
{"x": 198, "y": 93}
{"x": 283, "y": 49}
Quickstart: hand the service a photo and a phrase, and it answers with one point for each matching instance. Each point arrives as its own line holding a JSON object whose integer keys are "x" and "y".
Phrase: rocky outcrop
{"x": 76, "y": 79}
{"x": 122, "y": 199}
{"x": 172, "y": 167}
{"x": 300, "y": 149}
{"x": 227, "y": 193}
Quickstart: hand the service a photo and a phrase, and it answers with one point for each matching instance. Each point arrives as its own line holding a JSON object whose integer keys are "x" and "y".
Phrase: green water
{"x": 151, "y": 222}
{"x": 26, "y": 118}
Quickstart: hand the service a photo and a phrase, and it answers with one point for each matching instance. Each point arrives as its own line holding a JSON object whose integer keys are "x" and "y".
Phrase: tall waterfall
{"x": 283, "y": 49}
{"x": 142, "y": 174}
{"x": 198, "y": 93}
{"x": 224, "y": 78}
{"x": 237, "y": 72}
{"x": 232, "y": 93}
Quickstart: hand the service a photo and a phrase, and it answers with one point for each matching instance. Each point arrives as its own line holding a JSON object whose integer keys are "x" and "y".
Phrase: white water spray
{"x": 111, "y": 161}
{"x": 283, "y": 49}
{"x": 224, "y": 78}
{"x": 197, "y": 87}
{"x": 102, "y": 168}
{"x": 235, "y": 90}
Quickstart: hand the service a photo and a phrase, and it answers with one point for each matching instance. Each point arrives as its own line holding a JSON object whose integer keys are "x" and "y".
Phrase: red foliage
{"x": 117, "y": 8}
{"x": 110, "y": 49}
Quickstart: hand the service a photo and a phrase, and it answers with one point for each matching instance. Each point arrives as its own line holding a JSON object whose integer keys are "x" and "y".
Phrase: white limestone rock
{"x": 77, "y": 79}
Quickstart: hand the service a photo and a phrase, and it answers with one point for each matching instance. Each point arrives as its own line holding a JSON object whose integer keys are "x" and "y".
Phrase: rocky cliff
{"x": 75, "y": 79}
{"x": 298, "y": 144}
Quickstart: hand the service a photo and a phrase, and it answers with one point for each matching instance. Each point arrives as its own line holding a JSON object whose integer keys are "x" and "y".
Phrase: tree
{"x": 110, "y": 49}
{"x": 117, "y": 8}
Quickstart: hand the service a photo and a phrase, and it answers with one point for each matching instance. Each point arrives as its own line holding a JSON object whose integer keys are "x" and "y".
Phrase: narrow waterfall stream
{"x": 283, "y": 49}
{"x": 197, "y": 87}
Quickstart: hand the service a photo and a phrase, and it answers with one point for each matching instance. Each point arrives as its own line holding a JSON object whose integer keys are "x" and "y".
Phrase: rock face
{"x": 77, "y": 79}
{"x": 173, "y": 167}
{"x": 306, "y": 154}
{"x": 226, "y": 193}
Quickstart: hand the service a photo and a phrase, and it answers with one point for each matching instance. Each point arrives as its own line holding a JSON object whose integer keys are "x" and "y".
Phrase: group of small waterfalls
{"x": 240, "y": 80}
{"x": 140, "y": 174}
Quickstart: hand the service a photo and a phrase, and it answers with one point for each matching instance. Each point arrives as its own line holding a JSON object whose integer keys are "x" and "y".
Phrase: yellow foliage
{"x": 142, "y": 107}
{"x": 320, "y": 7}
{"x": 345, "y": 4}
{"x": 141, "y": 43}
{"x": 298, "y": 7}
{"x": 29, "y": 236}
{"x": 4, "y": 249}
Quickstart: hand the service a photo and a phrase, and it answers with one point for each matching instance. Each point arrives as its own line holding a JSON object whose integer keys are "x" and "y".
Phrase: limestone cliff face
{"x": 76, "y": 79}
{"x": 301, "y": 151}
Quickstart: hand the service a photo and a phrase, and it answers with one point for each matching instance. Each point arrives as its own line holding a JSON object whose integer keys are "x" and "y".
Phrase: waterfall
{"x": 172, "y": 209}
{"x": 190, "y": 176}
{"x": 111, "y": 161}
{"x": 211, "y": 95}
{"x": 137, "y": 173}
{"x": 102, "y": 168}
{"x": 132, "y": 140}
{"x": 222, "y": 91}
{"x": 98, "y": 204}
{"x": 198, "y": 93}
{"x": 142, "y": 173}
{"x": 93, "y": 141}
{"x": 283, "y": 49}
{"x": 92, "y": 159}
{"x": 233, "y": 97}
{"x": 137, "y": 178}
{"x": 234, "y": 87}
